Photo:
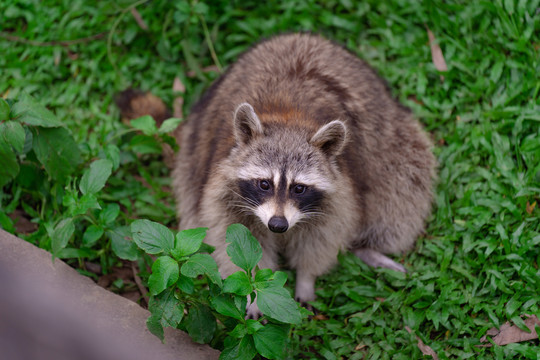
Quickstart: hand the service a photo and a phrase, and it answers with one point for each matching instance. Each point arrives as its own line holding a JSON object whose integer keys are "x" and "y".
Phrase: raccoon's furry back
{"x": 305, "y": 81}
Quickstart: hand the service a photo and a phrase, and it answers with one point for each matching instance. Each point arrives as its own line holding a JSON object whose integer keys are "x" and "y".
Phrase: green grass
{"x": 478, "y": 264}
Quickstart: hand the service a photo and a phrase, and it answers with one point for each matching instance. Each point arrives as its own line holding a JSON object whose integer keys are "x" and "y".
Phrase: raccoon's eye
{"x": 299, "y": 189}
{"x": 264, "y": 185}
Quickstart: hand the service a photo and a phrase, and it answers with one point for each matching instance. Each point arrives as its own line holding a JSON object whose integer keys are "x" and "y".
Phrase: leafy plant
{"x": 181, "y": 263}
{"x": 29, "y": 130}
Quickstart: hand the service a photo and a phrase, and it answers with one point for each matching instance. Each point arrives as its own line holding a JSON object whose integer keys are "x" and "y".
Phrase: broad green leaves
{"x": 165, "y": 272}
{"x": 270, "y": 341}
{"x": 13, "y": 133}
{"x": 201, "y": 264}
{"x": 29, "y": 112}
{"x": 121, "y": 243}
{"x": 61, "y": 235}
{"x": 169, "y": 125}
{"x": 152, "y": 237}
{"x": 244, "y": 250}
{"x": 56, "y": 150}
{"x": 94, "y": 178}
{"x": 188, "y": 242}
{"x": 146, "y": 124}
{"x": 238, "y": 283}
{"x": 181, "y": 264}
{"x": 9, "y": 168}
{"x": 4, "y": 110}
{"x": 201, "y": 323}
{"x": 28, "y": 126}
{"x": 276, "y": 302}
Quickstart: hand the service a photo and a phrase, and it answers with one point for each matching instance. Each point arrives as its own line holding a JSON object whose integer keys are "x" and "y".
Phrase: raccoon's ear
{"x": 330, "y": 138}
{"x": 246, "y": 123}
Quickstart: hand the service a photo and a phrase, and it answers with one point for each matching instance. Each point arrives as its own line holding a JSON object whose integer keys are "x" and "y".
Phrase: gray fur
{"x": 302, "y": 107}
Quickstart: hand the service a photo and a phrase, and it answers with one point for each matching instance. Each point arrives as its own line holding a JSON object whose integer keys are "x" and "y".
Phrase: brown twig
{"x": 139, "y": 283}
{"x": 53, "y": 42}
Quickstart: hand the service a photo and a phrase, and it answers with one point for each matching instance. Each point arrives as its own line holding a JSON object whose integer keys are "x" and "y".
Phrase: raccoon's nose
{"x": 278, "y": 224}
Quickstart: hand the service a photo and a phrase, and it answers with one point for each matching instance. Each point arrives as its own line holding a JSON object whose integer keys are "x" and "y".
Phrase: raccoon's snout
{"x": 278, "y": 224}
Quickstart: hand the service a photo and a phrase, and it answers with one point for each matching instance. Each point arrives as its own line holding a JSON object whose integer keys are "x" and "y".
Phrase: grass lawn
{"x": 476, "y": 267}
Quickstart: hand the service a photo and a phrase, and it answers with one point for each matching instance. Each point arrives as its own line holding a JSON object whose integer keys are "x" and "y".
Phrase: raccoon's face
{"x": 284, "y": 176}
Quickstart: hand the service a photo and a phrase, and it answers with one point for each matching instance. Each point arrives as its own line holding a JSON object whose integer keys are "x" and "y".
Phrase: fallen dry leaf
{"x": 530, "y": 207}
{"x": 138, "y": 18}
{"x": 509, "y": 334}
{"x": 359, "y": 347}
{"x": 436, "y": 53}
{"x": 425, "y": 349}
{"x": 319, "y": 317}
{"x": 23, "y": 223}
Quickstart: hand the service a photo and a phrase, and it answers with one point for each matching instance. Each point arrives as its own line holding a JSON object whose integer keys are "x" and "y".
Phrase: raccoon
{"x": 303, "y": 143}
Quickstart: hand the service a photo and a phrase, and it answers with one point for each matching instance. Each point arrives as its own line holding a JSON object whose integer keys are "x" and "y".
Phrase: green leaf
{"x": 239, "y": 349}
{"x": 167, "y": 308}
{"x": 244, "y": 250}
{"x": 153, "y": 323}
{"x": 80, "y": 206}
{"x": 94, "y": 178}
{"x": 152, "y": 237}
{"x": 271, "y": 340}
{"x": 165, "y": 272}
{"x": 263, "y": 275}
{"x": 56, "y": 151}
{"x": 72, "y": 253}
{"x": 225, "y": 305}
{"x": 146, "y": 124}
{"x": 112, "y": 152}
{"x": 30, "y": 112}
{"x": 4, "y": 110}
{"x": 169, "y": 125}
{"x": 200, "y": 323}
{"x": 238, "y": 283}
{"x": 279, "y": 278}
{"x": 144, "y": 144}
{"x": 121, "y": 243}
{"x": 9, "y": 168}
{"x": 200, "y": 264}
{"x": 239, "y": 331}
{"x": 188, "y": 242}
{"x": 276, "y": 302}
{"x": 6, "y": 223}
{"x": 241, "y": 303}
{"x": 252, "y": 326}
{"x": 85, "y": 203}
{"x": 13, "y": 133}
{"x": 109, "y": 213}
{"x": 185, "y": 284}
{"x": 61, "y": 235}
{"x": 92, "y": 235}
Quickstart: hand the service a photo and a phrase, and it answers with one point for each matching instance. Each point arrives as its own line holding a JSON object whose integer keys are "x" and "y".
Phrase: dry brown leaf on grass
{"x": 425, "y": 349}
{"x": 22, "y": 221}
{"x": 530, "y": 207}
{"x": 509, "y": 334}
{"x": 436, "y": 53}
{"x": 138, "y": 18}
